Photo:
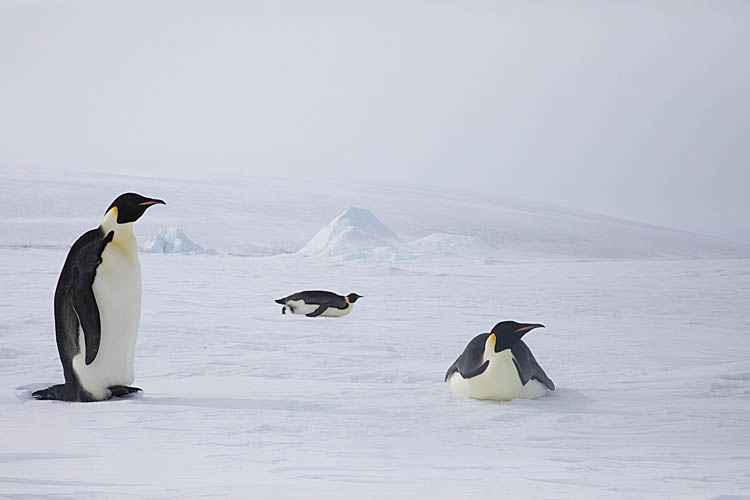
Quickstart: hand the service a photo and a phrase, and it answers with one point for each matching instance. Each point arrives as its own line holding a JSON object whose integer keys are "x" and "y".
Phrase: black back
{"x": 318, "y": 297}
{"x": 76, "y": 306}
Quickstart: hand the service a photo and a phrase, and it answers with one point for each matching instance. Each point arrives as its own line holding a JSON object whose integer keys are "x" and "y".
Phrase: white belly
{"x": 299, "y": 307}
{"x": 332, "y": 312}
{"x": 117, "y": 289}
{"x": 499, "y": 382}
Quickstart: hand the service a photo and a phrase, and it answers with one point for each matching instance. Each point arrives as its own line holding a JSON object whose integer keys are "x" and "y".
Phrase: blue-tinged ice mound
{"x": 173, "y": 240}
{"x": 354, "y": 232}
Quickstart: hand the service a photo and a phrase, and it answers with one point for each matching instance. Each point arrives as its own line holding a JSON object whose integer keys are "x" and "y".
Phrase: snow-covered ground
{"x": 646, "y": 340}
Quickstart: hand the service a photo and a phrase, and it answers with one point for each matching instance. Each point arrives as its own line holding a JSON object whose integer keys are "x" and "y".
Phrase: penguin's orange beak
{"x": 152, "y": 202}
{"x": 528, "y": 328}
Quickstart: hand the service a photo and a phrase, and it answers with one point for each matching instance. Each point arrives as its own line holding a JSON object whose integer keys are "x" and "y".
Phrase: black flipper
{"x": 469, "y": 364}
{"x": 527, "y": 366}
{"x": 473, "y": 371}
{"x": 84, "y": 302}
{"x": 121, "y": 391}
{"x": 317, "y": 312}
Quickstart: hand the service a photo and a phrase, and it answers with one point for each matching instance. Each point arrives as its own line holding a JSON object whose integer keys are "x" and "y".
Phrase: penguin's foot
{"x": 283, "y": 310}
{"x": 56, "y": 392}
{"x": 63, "y": 392}
{"x": 121, "y": 391}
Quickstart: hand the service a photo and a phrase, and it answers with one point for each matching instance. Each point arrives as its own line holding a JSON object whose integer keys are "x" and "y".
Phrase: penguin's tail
{"x": 280, "y": 301}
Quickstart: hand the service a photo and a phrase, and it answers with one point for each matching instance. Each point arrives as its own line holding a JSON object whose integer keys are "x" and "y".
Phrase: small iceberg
{"x": 352, "y": 233}
{"x": 173, "y": 240}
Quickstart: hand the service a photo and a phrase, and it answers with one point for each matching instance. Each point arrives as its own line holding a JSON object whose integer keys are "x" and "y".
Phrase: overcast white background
{"x": 639, "y": 109}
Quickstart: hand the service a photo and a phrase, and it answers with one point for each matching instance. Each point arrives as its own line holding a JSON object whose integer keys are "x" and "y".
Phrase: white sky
{"x": 636, "y": 110}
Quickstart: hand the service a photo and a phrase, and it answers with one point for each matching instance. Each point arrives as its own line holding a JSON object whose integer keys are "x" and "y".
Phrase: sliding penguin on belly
{"x": 499, "y": 366}
{"x": 98, "y": 307}
{"x": 318, "y": 303}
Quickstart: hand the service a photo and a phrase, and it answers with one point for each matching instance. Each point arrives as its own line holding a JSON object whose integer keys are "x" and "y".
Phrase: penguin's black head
{"x": 353, "y": 297}
{"x": 130, "y": 206}
{"x": 508, "y": 333}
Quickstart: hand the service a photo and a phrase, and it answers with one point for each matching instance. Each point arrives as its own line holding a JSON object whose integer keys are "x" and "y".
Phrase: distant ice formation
{"x": 173, "y": 240}
{"x": 355, "y": 231}
{"x": 357, "y": 234}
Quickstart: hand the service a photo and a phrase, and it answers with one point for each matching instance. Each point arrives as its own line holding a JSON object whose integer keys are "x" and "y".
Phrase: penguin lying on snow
{"x": 499, "y": 366}
{"x": 318, "y": 303}
{"x": 98, "y": 307}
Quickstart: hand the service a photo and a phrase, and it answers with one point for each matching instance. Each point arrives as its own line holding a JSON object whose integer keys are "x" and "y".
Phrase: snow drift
{"x": 355, "y": 231}
{"x": 173, "y": 240}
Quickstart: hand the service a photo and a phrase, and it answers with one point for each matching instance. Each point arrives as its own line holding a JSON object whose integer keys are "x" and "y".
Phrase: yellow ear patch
{"x": 492, "y": 338}
{"x": 347, "y": 300}
{"x": 116, "y": 212}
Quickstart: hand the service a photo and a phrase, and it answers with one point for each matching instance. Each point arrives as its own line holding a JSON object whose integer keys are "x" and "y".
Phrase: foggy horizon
{"x": 636, "y": 111}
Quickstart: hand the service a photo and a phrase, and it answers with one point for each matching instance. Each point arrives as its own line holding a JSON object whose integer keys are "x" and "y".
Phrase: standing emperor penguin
{"x": 499, "y": 365}
{"x": 98, "y": 307}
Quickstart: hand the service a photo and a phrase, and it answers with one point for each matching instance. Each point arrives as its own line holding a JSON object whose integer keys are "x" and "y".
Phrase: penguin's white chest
{"x": 300, "y": 307}
{"x": 499, "y": 382}
{"x": 117, "y": 290}
{"x": 332, "y": 312}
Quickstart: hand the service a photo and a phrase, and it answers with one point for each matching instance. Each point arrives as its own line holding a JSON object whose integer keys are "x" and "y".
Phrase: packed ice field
{"x": 645, "y": 339}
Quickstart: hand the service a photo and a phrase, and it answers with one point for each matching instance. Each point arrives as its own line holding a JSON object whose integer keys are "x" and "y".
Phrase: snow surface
{"x": 646, "y": 340}
{"x": 172, "y": 240}
{"x": 452, "y": 244}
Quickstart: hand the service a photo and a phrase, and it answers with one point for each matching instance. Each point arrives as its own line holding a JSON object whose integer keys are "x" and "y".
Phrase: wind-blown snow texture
{"x": 646, "y": 339}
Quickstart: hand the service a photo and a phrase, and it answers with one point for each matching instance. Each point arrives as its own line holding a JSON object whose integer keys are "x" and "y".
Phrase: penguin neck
{"x": 506, "y": 340}
{"x": 489, "y": 350}
{"x": 490, "y": 354}
{"x": 124, "y": 236}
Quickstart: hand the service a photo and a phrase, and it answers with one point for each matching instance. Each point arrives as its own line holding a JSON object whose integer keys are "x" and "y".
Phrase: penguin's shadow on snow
{"x": 562, "y": 401}
{"x": 25, "y": 392}
{"x": 565, "y": 398}
{"x": 238, "y": 403}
